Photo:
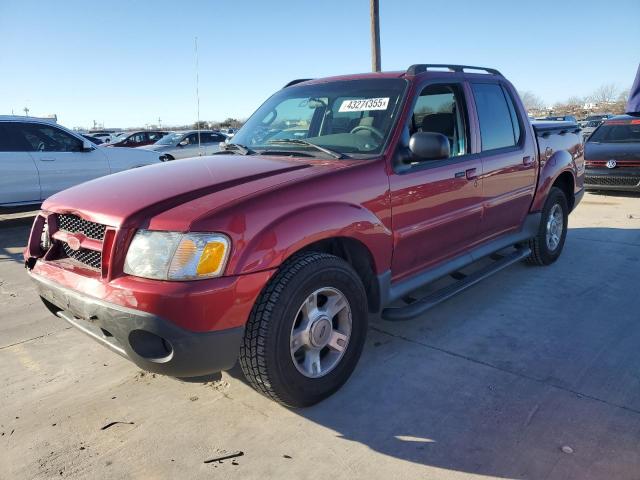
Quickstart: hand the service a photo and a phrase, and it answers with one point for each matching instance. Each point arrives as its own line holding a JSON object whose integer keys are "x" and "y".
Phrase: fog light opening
{"x": 150, "y": 346}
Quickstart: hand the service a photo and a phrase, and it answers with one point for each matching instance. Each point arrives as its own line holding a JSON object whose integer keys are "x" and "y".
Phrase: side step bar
{"x": 418, "y": 307}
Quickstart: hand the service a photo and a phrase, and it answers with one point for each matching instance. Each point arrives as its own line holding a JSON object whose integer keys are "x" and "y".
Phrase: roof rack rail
{"x": 296, "y": 81}
{"x": 423, "y": 67}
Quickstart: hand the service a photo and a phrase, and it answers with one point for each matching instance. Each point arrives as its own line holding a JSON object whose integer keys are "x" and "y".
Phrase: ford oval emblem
{"x": 73, "y": 242}
{"x": 611, "y": 163}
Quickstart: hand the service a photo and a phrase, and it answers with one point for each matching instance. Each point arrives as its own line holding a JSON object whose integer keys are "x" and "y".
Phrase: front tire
{"x": 306, "y": 331}
{"x": 548, "y": 243}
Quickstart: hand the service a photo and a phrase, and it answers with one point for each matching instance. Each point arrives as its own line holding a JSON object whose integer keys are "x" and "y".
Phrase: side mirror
{"x": 87, "y": 146}
{"x": 183, "y": 143}
{"x": 429, "y": 146}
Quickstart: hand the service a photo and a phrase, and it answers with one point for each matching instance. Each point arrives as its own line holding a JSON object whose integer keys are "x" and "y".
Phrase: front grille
{"x": 90, "y": 258}
{"x": 96, "y": 231}
{"x": 75, "y": 224}
{"x": 611, "y": 181}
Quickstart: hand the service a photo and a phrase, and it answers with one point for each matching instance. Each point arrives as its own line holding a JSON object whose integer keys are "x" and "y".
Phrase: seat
{"x": 439, "y": 123}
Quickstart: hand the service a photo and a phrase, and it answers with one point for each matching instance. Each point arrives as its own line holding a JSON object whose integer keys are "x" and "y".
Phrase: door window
{"x": 192, "y": 139}
{"x": 440, "y": 108}
{"x": 12, "y": 139}
{"x": 154, "y": 136}
{"x": 136, "y": 138}
{"x": 46, "y": 138}
{"x": 498, "y": 126}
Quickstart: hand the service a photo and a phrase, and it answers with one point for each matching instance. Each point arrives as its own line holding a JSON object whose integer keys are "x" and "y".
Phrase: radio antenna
{"x": 197, "y": 96}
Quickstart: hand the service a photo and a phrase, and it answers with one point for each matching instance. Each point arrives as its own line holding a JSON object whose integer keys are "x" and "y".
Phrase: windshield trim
{"x": 397, "y": 113}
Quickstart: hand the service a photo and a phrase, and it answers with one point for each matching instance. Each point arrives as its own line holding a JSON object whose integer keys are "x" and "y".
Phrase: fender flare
{"x": 299, "y": 228}
{"x": 559, "y": 162}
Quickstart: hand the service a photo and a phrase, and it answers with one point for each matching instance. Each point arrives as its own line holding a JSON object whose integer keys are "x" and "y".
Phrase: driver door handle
{"x": 47, "y": 159}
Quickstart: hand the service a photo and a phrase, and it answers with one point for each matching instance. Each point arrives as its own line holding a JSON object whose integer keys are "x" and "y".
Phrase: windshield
{"x": 350, "y": 117}
{"x": 621, "y": 133}
{"x": 170, "y": 139}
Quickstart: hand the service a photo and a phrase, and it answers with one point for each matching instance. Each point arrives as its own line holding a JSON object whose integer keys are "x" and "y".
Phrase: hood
{"x": 620, "y": 152}
{"x": 132, "y": 197}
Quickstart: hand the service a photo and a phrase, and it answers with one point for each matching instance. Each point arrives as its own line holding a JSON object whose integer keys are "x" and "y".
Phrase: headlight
{"x": 177, "y": 256}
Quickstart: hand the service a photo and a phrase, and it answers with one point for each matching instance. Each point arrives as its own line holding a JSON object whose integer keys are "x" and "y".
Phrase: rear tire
{"x": 548, "y": 243}
{"x": 298, "y": 351}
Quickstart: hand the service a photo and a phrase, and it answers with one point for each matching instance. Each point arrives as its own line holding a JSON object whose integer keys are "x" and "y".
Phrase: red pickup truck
{"x": 339, "y": 198}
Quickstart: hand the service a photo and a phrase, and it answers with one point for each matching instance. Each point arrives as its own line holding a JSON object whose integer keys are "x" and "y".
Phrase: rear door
{"x": 437, "y": 204}
{"x": 19, "y": 182}
{"x": 60, "y": 158}
{"x": 508, "y": 156}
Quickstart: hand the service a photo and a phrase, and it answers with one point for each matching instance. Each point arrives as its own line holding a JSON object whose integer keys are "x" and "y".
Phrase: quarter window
{"x": 498, "y": 126}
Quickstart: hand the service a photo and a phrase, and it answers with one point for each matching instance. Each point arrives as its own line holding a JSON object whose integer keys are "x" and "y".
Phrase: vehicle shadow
{"x": 614, "y": 193}
{"x": 509, "y": 376}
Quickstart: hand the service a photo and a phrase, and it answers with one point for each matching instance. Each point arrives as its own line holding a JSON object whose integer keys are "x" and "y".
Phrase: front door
{"x": 436, "y": 204}
{"x": 60, "y": 158}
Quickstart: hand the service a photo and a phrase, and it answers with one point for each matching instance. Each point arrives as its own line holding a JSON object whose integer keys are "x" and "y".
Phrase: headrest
{"x": 438, "y": 123}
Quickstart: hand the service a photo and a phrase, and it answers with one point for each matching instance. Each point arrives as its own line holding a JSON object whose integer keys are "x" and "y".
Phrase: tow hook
{"x": 30, "y": 263}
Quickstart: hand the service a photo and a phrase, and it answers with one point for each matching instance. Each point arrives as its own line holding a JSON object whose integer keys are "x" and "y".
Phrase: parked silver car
{"x": 177, "y": 145}
{"x": 39, "y": 158}
{"x": 590, "y": 127}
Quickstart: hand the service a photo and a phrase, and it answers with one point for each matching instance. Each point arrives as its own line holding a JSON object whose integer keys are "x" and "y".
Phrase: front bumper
{"x": 148, "y": 340}
{"x": 621, "y": 179}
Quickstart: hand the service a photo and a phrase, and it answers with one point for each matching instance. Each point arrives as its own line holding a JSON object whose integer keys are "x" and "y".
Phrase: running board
{"x": 419, "y": 306}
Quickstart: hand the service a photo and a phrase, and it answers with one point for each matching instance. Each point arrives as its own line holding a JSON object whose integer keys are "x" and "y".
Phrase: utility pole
{"x": 375, "y": 36}
{"x": 26, "y": 111}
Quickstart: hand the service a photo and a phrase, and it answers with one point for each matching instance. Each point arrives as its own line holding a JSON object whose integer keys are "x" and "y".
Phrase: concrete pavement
{"x": 493, "y": 383}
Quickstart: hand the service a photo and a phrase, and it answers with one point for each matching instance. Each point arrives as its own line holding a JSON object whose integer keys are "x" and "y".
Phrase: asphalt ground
{"x": 534, "y": 373}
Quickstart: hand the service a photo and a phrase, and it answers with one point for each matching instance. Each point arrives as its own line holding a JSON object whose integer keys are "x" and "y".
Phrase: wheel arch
{"x": 558, "y": 170}
{"x": 347, "y": 231}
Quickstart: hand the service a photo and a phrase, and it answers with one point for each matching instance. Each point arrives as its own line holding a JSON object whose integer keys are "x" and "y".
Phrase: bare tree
{"x": 624, "y": 95}
{"x": 574, "y": 102}
{"x": 605, "y": 93}
{"x": 531, "y": 101}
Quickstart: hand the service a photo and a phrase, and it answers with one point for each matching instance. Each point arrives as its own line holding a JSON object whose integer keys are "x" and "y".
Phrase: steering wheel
{"x": 41, "y": 147}
{"x": 373, "y": 130}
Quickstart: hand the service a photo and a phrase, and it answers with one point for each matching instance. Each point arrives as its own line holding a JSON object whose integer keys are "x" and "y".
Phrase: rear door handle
{"x": 47, "y": 159}
{"x": 470, "y": 173}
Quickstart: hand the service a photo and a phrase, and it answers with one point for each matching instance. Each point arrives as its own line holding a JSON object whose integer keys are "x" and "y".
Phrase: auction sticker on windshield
{"x": 364, "y": 104}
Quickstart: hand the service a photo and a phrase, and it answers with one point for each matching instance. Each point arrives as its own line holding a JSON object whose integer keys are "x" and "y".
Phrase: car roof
{"x": 23, "y": 118}
{"x": 619, "y": 118}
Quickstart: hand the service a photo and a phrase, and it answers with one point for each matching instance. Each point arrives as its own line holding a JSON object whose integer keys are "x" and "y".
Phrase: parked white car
{"x": 177, "y": 145}
{"x": 39, "y": 158}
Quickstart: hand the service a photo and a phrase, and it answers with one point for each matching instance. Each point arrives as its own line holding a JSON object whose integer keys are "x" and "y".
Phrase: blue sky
{"x": 128, "y": 63}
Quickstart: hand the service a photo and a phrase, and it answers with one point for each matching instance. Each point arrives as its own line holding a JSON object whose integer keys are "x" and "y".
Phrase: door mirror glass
{"x": 87, "y": 146}
{"x": 183, "y": 143}
{"x": 429, "y": 146}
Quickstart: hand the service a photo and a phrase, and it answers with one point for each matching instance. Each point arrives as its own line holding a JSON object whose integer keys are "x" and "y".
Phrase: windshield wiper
{"x": 236, "y": 147}
{"x": 297, "y": 141}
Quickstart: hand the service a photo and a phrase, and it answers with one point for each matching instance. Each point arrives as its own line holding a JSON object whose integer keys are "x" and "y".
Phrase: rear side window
{"x": 499, "y": 126}
{"x": 11, "y": 139}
